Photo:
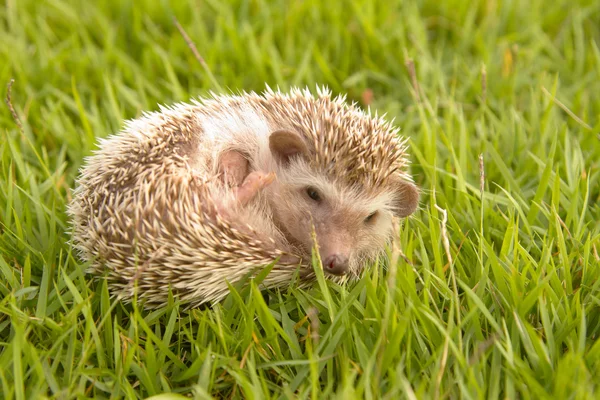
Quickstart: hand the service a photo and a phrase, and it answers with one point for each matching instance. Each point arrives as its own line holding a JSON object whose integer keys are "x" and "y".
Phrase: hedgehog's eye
{"x": 313, "y": 193}
{"x": 371, "y": 217}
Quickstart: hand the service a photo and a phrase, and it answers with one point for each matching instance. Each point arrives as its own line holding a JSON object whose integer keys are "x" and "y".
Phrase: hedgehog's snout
{"x": 336, "y": 264}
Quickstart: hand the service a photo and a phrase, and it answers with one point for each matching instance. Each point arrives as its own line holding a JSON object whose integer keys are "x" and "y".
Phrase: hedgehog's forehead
{"x": 301, "y": 173}
{"x": 344, "y": 140}
{"x": 360, "y": 186}
{"x": 358, "y": 154}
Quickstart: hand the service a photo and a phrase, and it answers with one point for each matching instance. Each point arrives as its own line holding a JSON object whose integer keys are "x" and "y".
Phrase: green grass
{"x": 515, "y": 315}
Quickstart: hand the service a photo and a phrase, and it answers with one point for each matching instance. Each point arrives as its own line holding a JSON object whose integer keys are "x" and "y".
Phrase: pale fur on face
{"x": 284, "y": 212}
{"x": 339, "y": 218}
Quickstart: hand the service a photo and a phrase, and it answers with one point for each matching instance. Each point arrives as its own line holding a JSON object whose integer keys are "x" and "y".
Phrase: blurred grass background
{"x": 515, "y": 315}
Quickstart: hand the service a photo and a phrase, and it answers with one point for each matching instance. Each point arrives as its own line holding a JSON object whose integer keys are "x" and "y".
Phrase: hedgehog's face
{"x": 351, "y": 226}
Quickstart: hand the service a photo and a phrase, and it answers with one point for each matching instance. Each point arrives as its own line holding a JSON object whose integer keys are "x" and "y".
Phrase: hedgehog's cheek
{"x": 296, "y": 226}
{"x": 304, "y": 228}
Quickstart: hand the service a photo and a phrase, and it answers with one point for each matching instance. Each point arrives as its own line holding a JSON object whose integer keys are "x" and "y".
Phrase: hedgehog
{"x": 197, "y": 195}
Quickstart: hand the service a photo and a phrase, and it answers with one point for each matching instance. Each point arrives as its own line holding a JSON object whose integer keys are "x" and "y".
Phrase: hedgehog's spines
{"x": 334, "y": 133}
{"x": 140, "y": 203}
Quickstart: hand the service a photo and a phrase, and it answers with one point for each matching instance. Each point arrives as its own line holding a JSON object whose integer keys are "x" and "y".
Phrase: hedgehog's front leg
{"x": 229, "y": 205}
{"x": 235, "y": 172}
{"x": 252, "y": 185}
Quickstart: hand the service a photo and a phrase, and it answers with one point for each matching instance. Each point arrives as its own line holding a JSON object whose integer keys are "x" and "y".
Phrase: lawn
{"x": 496, "y": 294}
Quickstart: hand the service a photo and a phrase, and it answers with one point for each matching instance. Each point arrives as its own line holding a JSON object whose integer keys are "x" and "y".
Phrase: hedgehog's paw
{"x": 252, "y": 185}
{"x": 240, "y": 196}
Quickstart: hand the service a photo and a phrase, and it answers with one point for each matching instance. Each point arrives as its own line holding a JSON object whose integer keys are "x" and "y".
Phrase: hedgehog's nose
{"x": 336, "y": 265}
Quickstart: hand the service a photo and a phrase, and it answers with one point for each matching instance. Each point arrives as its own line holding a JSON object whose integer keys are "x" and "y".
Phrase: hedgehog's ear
{"x": 286, "y": 144}
{"x": 406, "y": 198}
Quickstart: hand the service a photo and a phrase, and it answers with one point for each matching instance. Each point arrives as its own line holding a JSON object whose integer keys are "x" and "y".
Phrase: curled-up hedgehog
{"x": 201, "y": 194}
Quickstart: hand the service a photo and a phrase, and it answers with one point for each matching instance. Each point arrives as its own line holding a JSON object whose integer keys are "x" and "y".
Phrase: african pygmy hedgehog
{"x": 199, "y": 194}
